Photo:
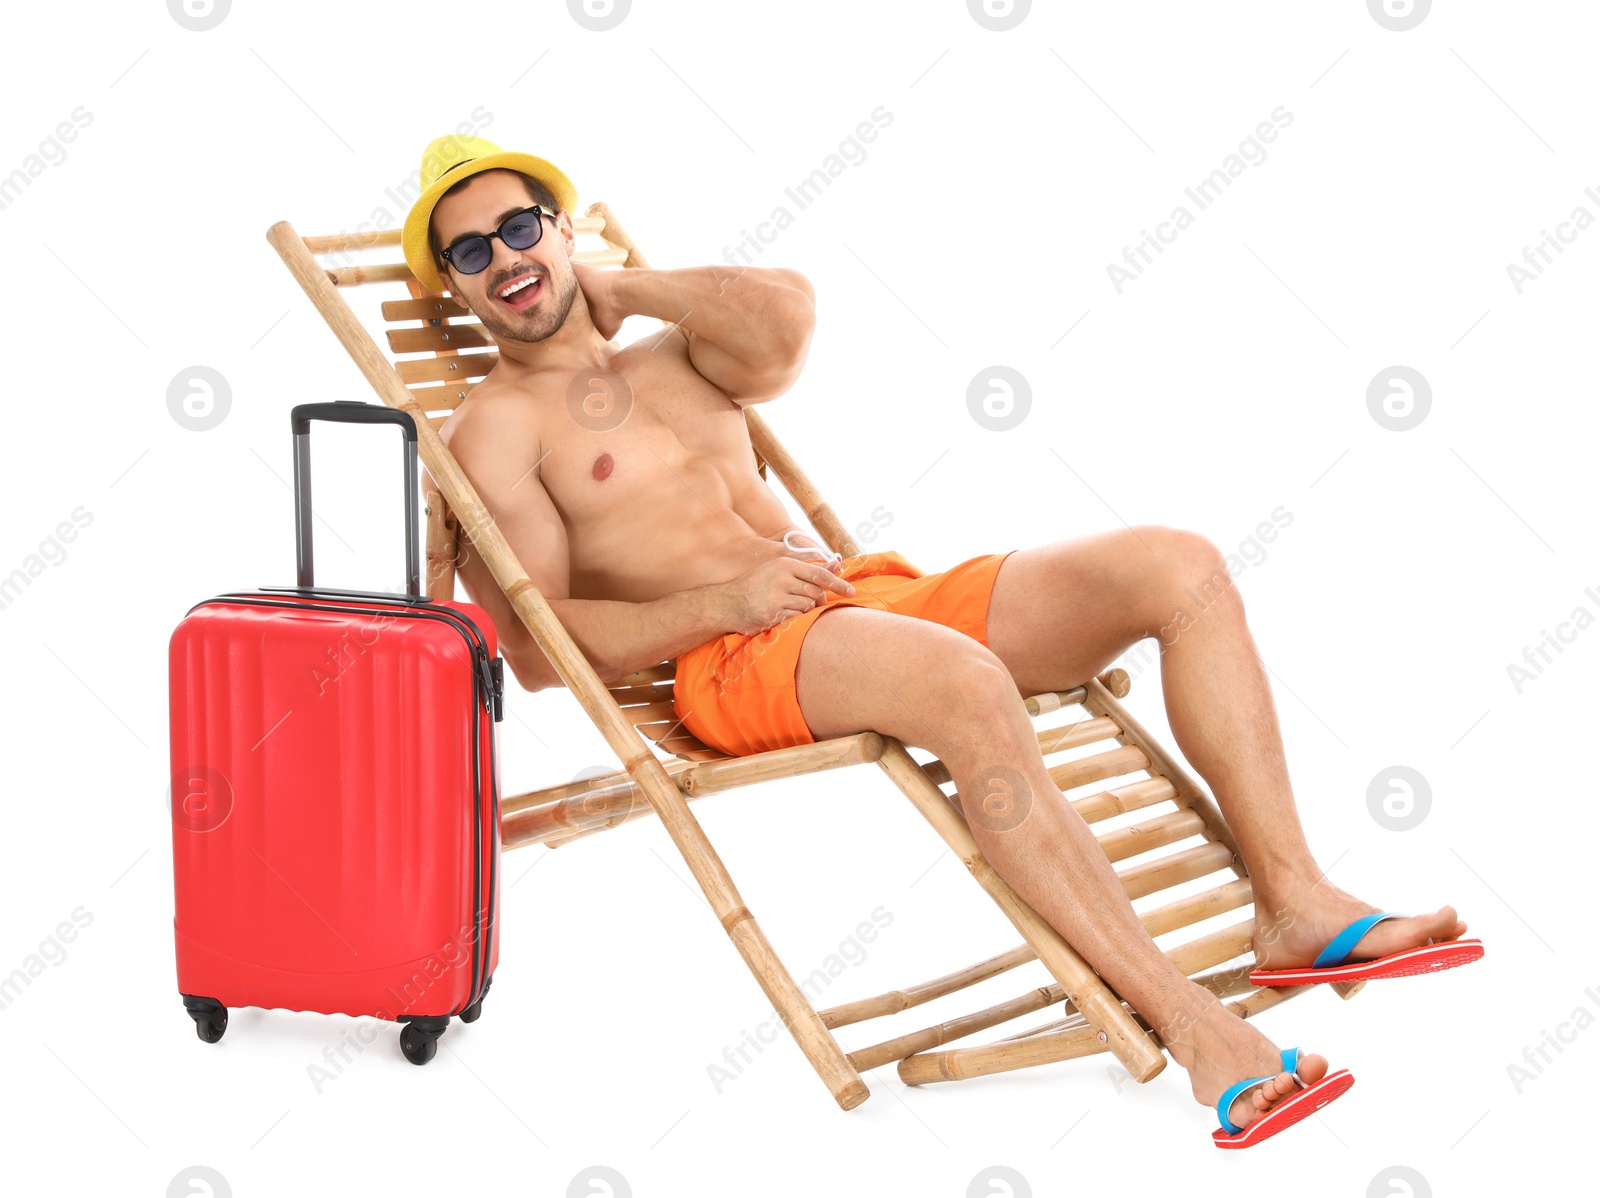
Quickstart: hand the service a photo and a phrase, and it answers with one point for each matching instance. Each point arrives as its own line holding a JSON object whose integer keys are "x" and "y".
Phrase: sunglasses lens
{"x": 470, "y": 255}
{"x": 522, "y": 230}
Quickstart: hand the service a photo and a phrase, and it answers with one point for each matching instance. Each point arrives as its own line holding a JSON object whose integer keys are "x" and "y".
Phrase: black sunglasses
{"x": 520, "y": 231}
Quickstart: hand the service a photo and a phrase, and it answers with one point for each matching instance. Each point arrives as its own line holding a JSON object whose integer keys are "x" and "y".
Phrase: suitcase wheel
{"x": 419, "y": 1039}
{"x": 210, "y": 1017}
{"x": 210, "y": 1030}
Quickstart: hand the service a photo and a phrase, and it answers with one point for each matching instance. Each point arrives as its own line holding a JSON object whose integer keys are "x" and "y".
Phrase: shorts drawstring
{"x": 829, "y": 559}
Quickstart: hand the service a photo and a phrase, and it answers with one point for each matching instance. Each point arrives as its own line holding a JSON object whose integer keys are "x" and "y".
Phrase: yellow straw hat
{"x": 446, "y": 162}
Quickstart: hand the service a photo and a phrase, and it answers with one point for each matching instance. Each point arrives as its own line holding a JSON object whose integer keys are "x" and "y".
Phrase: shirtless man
{"x": 624, "y": 481}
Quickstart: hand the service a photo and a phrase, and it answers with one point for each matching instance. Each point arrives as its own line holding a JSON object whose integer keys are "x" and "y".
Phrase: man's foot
{"x": 1297, "y": 923}
{"x": 1218, "y": 1049}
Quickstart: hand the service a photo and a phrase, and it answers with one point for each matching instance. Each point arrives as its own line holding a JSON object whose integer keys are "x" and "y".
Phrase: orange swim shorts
{"x": 736, "y": 693}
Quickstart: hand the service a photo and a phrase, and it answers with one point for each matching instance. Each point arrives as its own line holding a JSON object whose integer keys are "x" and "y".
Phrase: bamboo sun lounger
{"x": 1106, "y": 763}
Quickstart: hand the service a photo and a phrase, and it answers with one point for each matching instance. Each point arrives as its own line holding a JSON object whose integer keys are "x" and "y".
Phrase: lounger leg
{"x": 795, "y": 1010}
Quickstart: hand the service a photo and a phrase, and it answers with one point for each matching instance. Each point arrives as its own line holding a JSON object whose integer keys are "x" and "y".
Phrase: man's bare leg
{"x": 941, "y": 690}
{"x": 1062, "y": 613}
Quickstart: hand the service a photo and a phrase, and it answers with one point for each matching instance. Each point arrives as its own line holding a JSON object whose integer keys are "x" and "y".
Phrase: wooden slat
{"x": 1225, "y": 983}
{"x": 344, "y": 242}
{"x": 1123, "y": 843}
{"x": 1071, "y": 774}
{"x": 900, "y": 1000}
{"x": 1132, "y": 797}
{"x": 681, "y": 743}
{"x": 733, "y": 772}
{"x": 610, "y": 256}
{"x": 1053, "y": 700}
{"x": 1126, "y": 759}
{"x": 446, "y": 368}
{"x": 1214, "y": 948}
{"x": 376, "y": 238}
{"x": 1071, "y": 736}
{"x": 1050, "y": 701}
{"x": 1195, "y": 907}
{"x": 644, "y": 714}
{"x": 655, "y": 692}
{"x": 664, "y": 672}
{"x": 954, "y": 1029}
{"x": 690, "y": 749}
{"x": 386, "y": 272}
{"x": 1051, "y": 740}
{"x": 1184, "y": 866}
{"x": 1072, "y": 1020}
{"x": 439, "y": 399}
{"x": 669, "y": 726}
{"x": 1102, "y": 805}
{"x": 606, "y": 794}
{"x": 956, "y": 1063}
{"x": 429, "y": 307}
{"x": 429, "y": 339}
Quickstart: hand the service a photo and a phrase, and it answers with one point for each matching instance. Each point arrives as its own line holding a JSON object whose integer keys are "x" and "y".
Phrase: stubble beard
{"x": 543, "y": 320}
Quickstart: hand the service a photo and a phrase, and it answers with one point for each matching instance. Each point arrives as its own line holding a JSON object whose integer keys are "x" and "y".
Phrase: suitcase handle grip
{"x": 350, "y": 411}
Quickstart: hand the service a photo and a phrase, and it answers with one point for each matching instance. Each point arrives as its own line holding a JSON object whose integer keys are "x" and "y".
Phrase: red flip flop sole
{"x": 1425, "y": 958}
{"x": 1288, "y": 1112}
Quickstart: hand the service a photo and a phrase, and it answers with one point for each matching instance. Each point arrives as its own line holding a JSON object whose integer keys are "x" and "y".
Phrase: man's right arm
{"x": 496, "y": 446}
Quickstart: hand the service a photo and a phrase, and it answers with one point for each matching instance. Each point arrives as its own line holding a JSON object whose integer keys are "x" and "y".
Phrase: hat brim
{"x": 414, "y": 235}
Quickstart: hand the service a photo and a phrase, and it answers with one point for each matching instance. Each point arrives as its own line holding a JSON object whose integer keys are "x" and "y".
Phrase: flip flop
{"x": 1330, "y": 963}
{"x": 1286, "y": 1112}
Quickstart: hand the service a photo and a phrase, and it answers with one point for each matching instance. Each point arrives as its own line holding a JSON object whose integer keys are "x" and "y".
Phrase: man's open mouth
{"x": 522, "y": 292}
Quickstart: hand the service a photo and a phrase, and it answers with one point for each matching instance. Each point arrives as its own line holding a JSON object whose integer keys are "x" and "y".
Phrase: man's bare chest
{"x": 634, "y": 443}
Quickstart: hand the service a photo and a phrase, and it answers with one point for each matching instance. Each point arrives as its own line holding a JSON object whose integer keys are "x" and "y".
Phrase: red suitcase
{"x": 335, "y": 792}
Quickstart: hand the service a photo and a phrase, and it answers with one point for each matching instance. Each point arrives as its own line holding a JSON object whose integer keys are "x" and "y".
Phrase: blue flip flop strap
{"x": 1226, "y": 1101}
{"x": 1342, "y": 945}
{"x": 1291, "y": 1064}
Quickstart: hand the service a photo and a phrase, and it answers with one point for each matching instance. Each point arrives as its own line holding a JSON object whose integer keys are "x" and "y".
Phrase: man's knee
{"x": 977, "y": 682}
{"x": 1194, "y": 570}
{"x": 961, "y": 670}
{"x": 900, "y": 674}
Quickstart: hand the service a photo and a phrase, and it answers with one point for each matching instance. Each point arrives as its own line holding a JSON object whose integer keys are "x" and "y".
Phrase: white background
{"x": 1228, "y": 380}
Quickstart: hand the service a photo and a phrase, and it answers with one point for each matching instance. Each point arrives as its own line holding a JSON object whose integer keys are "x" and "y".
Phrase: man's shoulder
{"x": 493, "y": 408}
{"x": 497, "y": 425}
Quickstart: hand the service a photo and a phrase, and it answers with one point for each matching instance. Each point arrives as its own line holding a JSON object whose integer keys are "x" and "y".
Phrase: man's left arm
{"x": 748, "y": 329}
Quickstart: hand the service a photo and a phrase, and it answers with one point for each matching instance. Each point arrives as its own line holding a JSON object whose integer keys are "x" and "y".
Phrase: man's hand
{"x": 777, "y": 589}
{"x": 600, "y": 295}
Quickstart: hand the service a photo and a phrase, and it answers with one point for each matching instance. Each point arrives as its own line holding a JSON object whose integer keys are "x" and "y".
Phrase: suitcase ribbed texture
{"x": 341, "y": 877}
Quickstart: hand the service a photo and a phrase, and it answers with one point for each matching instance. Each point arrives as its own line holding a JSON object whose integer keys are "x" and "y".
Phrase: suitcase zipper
{"x": 490, "y": 670}
{"x": 488, "y": 679}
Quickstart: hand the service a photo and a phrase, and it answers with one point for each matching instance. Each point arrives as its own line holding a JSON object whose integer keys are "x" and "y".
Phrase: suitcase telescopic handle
{"x": 350, "y": 411}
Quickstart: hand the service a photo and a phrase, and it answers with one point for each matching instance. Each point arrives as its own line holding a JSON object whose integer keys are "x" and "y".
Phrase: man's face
{"x": 537, "y": 310}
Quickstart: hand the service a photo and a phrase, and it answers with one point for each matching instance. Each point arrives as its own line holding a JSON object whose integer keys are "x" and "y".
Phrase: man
{"x": 624, "y": 481}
